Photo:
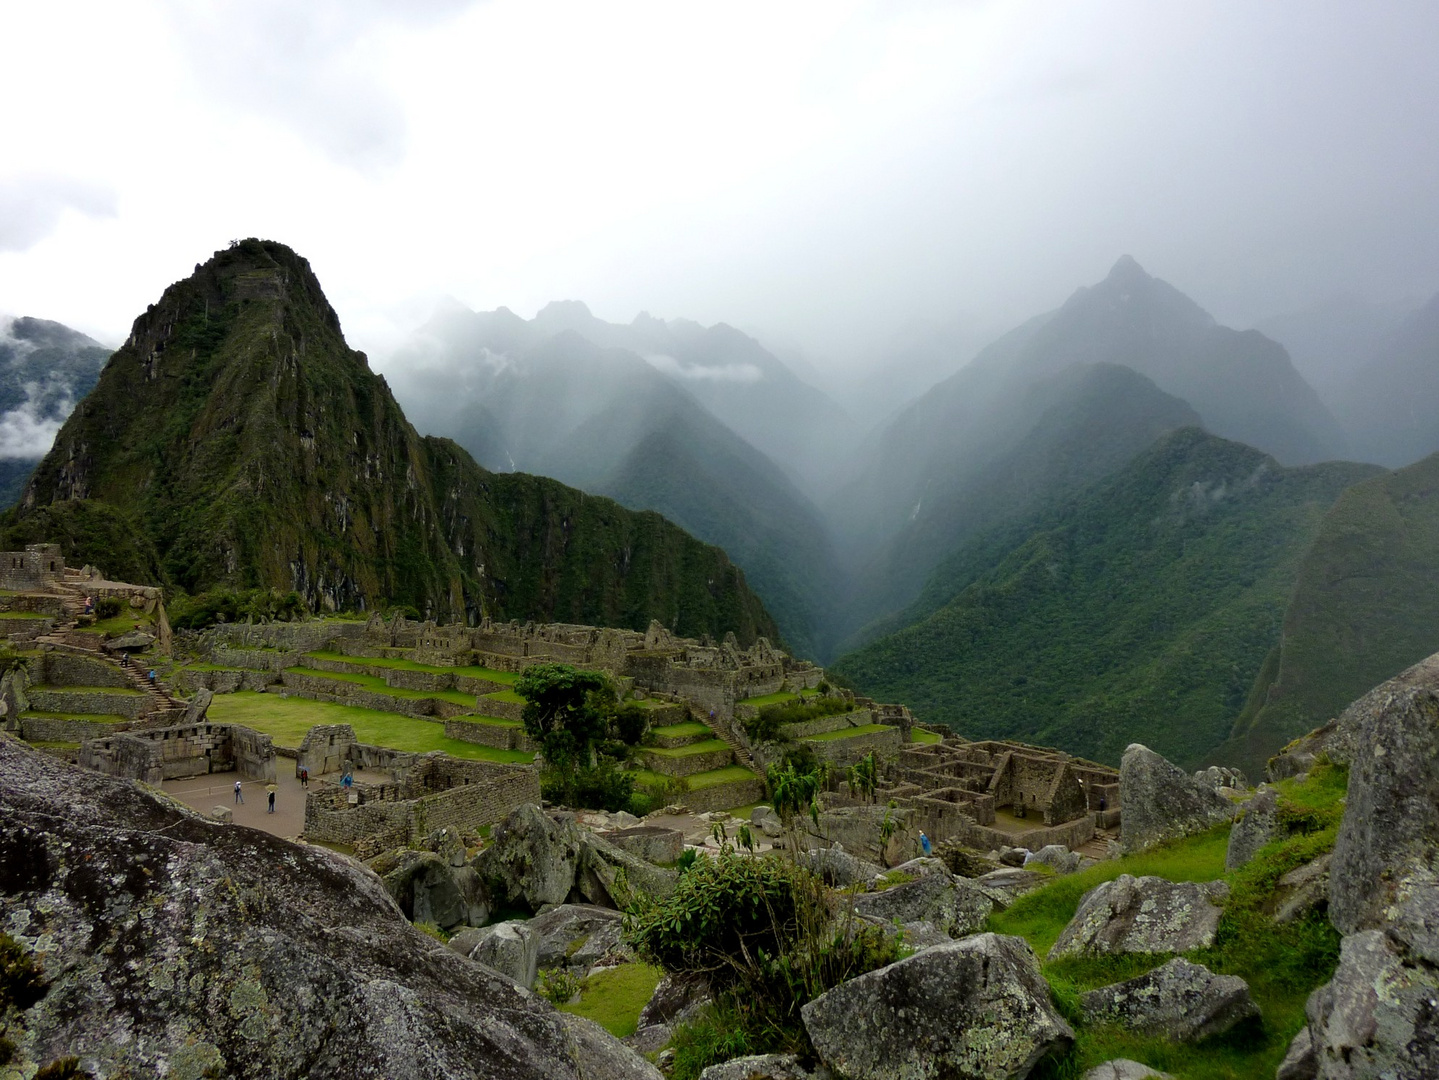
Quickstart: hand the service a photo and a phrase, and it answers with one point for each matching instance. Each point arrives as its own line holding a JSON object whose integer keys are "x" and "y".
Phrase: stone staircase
{"x": 164, "y": 709}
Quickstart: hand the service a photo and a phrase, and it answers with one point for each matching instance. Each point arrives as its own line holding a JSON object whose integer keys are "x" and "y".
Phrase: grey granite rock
{"x": 176, "y": 946}
{"x": 838, "y": 867}
{"x": 677, "y": 997}
{"x": 1302, "y": 890}
{"x": 1255, "y": 828}
{"x": 955, "y": 906}
{"x": 1124, "y": 1069}
{"x": 972, "y": 1008}
{"x": 1143, "y": 915}
{"x": 532, "y": 858}
{"x": 511, "y": 948}
{"x": 198, "y": 706}
{"x": 1159, "y": 802}
{"x": 759, "y": 1067}
{"x": 578, "y": 936}
{"x": 1180, "y": 1001}
{"x": 1057, "y": 857}
{"x": 1299, "y": 1061}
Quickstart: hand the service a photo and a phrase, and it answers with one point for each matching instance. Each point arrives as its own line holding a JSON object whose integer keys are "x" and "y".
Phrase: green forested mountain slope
{"x": 1140, "y": 610}
{"x": 250, "y": 446}
{"x": 1364, "y": 608}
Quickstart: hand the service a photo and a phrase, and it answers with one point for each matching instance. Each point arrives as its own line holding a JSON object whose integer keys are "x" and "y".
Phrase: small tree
{"x": 566, "y": 711}
{"x": 863, "y": 777}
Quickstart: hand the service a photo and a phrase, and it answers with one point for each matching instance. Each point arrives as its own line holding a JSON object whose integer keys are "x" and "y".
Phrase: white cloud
{"x": 735, "y": 373}
{"x": 27, "y": 432}
{"x": 31, "y": 206}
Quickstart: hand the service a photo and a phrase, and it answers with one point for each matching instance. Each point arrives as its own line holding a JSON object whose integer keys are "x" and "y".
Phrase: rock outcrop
{"x": 838, "y": 867}
{"x": 972, "y": 1008}
{"x": 759, "y": 1067}
{"x": 173, "y": 945}
{"x": 511, "y": 948}
{"x": 1253, "y": 830}
{"x": 954, "y": 906}
{"x": 1124, "y": 1069}
{"x": 1143, "y": 915}
{"x": 1159, "y": 801}
{"x": 578, "y": 936}
{"x": 1179, "y": 1001}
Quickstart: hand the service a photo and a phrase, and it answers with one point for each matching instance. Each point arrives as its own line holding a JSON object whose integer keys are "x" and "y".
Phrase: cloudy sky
{"x": 826, "y": 173}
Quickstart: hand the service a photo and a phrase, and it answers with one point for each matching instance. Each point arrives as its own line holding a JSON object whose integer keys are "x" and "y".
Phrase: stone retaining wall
{"x": 60, "y": 668}
{"x": 274, "y": 660}
{"x": 48, "y": 729}
{"x": 834, "y": 722}
{"x": 503, "y": 710}
{"x": 845, "y": 752}
{"x": 50, "y": 699}
{"x": 500, "y": 736}
{"x": 176, "y": 752}
{"x": 1071, "y": 834}
{"x": 319, "y": 688}
{"x": 223, "y": 681}
{"x": 724, "y": 796}
{"x": 687, "y": 764}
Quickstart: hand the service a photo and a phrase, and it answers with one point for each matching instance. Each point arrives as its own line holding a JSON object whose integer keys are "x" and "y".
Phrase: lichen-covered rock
{"x": 838, "y": 867}
{"x": 532, "y": 858}
{"x": 1219, "y": 776}
{"x": 430, "y": 890}
{"x": 759, "y": 1067}
{"x": 198, "y": 706}
{"x": 1180, "y": 1001}
{"x": 964, "y": 861}
{"x": 1124, "y": 1069}
{"x": 912, "y": 935}
{"x": 1007, "y": 885}
{"x": 955, "y": 906}
{"x": 766, "y": 820}
{"x": 915, "y": 868}
{"x": 1299, "y": 1061}
{"x": 1159, "y": 802}
{"x": 511, "y": 948}
{"x": 1302, "y": 890}
{"x": 1143, "y": 915}
{"x": 676, "y": 997}
{"x": 1056, "y": 856}
{"x": 972, "y": 1008}
{"x": 177, "y": 946}
{"x": 1377, "y": 1017}
{"x": 607, "y": 876}
{"x": 1253, "y": 830}
{"x": 578, "y": 936}
{"x": 1385, "y": 869}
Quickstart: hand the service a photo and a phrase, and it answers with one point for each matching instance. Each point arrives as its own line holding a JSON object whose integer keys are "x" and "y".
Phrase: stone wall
{"x": 1071, "y": 834}
{"x": 822, "y": 724}
{"x": 220, "y": 680}
{"x": 94, "y": 702}
{"x": 326, "y": 748}
{"x": 37, "y": 568}
{"x": 687, "y": 764}
{"x": 176, "y": 752}
{"x": 56, "y": 667}
{"x": 47, "y": 729}
{"x": 258, "y": 659}
{"x": 320, "y": 688}
{"x": 502, "y": 710}
{"x": 847, "y": 751}
{"x": 504, "y": 736}
{"x": 723, "y": 796}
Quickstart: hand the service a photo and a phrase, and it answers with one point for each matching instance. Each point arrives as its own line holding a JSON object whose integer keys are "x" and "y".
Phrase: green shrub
{"x": 768, "y": 725}
{"x": 630, "y": 722}
{"x": 225, "y": 605}
{"x": 601, "y": 786}
{"x": 715, "y": 1036}
{"x": 557, "y": 986}
{"x": 108, "y": 607}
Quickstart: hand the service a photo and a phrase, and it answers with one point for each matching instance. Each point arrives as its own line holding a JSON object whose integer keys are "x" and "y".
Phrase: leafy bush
{"x": 566, "y": 711}
{"x": 601, "y": 786}
{"x": 768, "y": 724}
{"x": 224, "y": 605}
{"x": 107, "y": 607}
{"x": 557, "y": 986}
{"x": 630, "y": 722}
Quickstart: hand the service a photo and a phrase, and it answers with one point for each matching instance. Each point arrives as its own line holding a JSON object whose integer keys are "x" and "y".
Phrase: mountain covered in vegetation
{"x": 1365, "y": 606}
{"x": 45, "y": 367}
{"x": 241, "y": 440}
{"x": 603, "y": 419}
{"x": 913, "y": 498}
{"x": 1139, "y": 610}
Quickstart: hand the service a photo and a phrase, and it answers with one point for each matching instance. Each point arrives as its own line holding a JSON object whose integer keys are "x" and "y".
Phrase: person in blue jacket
{"x": 924, "y": 843}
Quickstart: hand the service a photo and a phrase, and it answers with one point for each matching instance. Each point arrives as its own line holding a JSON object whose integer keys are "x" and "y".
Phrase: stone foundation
{"x": 189, "y": 750}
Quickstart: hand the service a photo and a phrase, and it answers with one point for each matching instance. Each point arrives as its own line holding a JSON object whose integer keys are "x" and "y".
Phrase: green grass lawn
{"x": 613, "y": 998}
{"x": 770, "y": 699}
{"x": 489, "y": 721}
{"x": 1282, "y": 964}
{"x": 505, "y": 695}
{"x": 287, "y": 719}
{"x": 683, "y": 731}
{"x": 848, "y": 733}
{"x": 505, "y": 677}
{"x": 920, "y": 736}
{"x": 379, "y": 686}
{"x": 25, "y": 615}
{"x": 89, "y": 718}
{"x": 709, "y": 746}
{"x": 699, "y": 781}
{"x": 123, "y": 623}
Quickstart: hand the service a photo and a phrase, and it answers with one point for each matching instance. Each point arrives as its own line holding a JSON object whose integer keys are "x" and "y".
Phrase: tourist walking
{"x": 924, "y": 843}
{"x": 239, "y": 795}
{"x": 152, "y": 676}
{"x": 304, "y": 778}
{"x": 271, "y": 792}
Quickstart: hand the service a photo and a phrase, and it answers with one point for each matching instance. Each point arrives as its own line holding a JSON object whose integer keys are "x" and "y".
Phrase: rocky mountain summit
{"x": 168, "y": 944}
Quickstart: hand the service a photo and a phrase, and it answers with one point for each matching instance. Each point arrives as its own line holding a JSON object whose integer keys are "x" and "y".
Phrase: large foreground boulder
{"x": 1143, "y": 915}
{"x": 1378, "y": 1017}
{"x": 532, "y": 858}
{"x": 611, "y": 878}
{"x": 578, "y": 936}
{"x": 1158, "y": 801}
{"x": 955, "y": 906}
{"x": 972, "y": 1008}
{"x": 1255, "y": 828}
{"x": 838, "y": 867}
{"x": 1179, "y": 1001}
{"x": 759, "y": 1067}
{"x": 175, "y": 946}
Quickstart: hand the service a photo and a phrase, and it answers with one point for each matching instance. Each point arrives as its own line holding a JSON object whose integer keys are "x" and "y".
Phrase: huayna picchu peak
{"x": 241, "y": 438}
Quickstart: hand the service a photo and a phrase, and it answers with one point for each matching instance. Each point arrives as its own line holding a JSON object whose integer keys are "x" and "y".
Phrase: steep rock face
{"x": 253, "y": 447}
{"x": 175, "y": 945}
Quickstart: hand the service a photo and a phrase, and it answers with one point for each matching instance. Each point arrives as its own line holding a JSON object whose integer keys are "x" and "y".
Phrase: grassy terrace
{"x": 614, "y": 997}
{"x": 92, "y": 718}
{"x": 504, "y": 677}
{"x": 685, "y": 730}
{"x": 379, "y": 686}
{"x": 119, "y": 624}
{"x": 848, "y": 733}
{"x": 23, "y": 615}
{"x": 698, "y": 781}
{"x": 919, "y": 735}
{"x": 770, "y": 699}
{"x": 707, "y": 747}
{"x": 118, "y": 691}
{"x": 506, "y": 695}
{"x": 287, "y": 720}
{"x": 1282, "y": 964}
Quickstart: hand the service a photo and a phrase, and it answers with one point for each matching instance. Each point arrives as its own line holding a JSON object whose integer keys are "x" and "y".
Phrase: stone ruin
{"x": 958, "y": 789}
{"x": 425, "y": 792}
{"x": 173, "y": 753}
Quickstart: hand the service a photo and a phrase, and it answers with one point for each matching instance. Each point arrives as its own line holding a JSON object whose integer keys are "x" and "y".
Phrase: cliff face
{"x": 252, "y": 447}
{"x": 172, "y": 945}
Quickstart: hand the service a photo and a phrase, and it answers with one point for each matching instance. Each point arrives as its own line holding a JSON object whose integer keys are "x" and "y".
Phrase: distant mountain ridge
{"x": 543, "y": 397}
{"x": 245, "y": 444}
{"x": 45, "y": 368}
{"x": 1139, "y": 610}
